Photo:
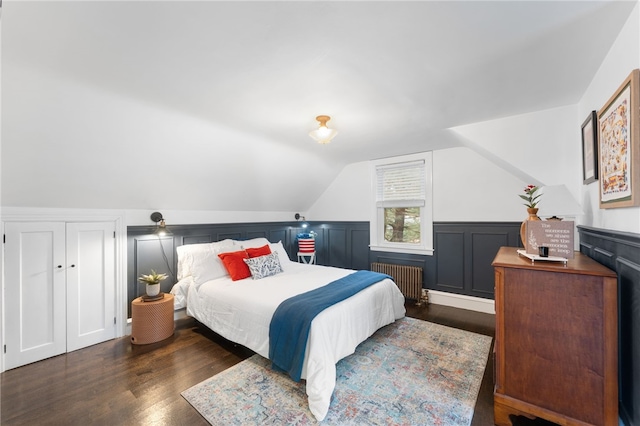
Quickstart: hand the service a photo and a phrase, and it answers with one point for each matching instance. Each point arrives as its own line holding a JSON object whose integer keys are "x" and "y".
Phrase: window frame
{"x": 376, "y": 224}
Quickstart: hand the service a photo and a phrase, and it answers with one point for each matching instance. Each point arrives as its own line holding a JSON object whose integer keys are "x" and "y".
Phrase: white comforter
{"x": 241, "y": 312}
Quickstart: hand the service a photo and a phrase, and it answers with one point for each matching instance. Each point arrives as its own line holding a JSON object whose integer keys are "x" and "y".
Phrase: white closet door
{"x": 90, "y": 284}
{"x": 35, "y": 294}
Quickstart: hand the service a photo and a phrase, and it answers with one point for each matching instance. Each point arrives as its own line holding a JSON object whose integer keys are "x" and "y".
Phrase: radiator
{"x": 407, "y": 278}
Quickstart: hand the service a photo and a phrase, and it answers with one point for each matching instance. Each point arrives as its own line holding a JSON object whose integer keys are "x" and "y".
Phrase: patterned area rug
{"x": 408, "y": 373}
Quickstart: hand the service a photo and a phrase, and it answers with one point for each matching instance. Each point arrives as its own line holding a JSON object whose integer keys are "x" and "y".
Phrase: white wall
{"x": 466, "y": 187}
{"x": 481, "y": 181}
{"x": 623, "y": 57}
{"x": 1, "y": 249}
{"x": 191, "y": 217}
{"x": 348, "y": 197}
{"x": 68, "y": 144}
{"x": 143, "y": 217}
{"x": 542, "y": 147}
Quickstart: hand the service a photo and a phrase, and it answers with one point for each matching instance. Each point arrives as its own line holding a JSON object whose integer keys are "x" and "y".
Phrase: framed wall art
{"x": 618, "y": 146}
{"x": 590, "y": 149}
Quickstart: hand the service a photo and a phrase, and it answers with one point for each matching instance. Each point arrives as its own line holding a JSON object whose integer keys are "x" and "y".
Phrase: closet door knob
{"x": 59, "y": 266}
{"x": 73, "y": 266}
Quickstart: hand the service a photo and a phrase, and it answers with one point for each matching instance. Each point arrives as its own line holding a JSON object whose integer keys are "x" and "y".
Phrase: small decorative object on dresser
{"x": 555, "y": 235}
{"x": 556, "y": 341}
{"x": 532, "y": 199}
{"x": 152, "y": 282}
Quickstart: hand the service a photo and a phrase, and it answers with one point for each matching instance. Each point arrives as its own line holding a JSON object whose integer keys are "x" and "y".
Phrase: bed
{"x": 241, "y": 310}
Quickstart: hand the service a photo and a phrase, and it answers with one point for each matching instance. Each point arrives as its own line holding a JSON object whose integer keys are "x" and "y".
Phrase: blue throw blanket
{"x": 291, "y": 322}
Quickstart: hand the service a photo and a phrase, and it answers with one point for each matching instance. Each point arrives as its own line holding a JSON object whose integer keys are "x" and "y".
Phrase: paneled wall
{"x": 461, "y": 263}
{"x": 463, "y": 254}
{"x": 342, "y": 244}
{"x": 466, "y": 251}
{"x": 620, "y": 252}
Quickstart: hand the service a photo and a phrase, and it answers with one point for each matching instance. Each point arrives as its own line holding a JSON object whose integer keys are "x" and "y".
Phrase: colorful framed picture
{"x": 618, "y": 146}
{"x": 590, "y": 149}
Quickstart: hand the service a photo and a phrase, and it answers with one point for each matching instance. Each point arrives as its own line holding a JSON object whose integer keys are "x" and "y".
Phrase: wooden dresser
{"x": 556, "y": 347}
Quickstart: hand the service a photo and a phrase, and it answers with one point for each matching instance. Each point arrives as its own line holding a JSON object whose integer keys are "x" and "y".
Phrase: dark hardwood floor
{"x": 117, "y": 383}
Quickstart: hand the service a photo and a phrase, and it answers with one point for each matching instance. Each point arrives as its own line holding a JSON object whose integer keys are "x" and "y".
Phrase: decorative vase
{"x": 153, "y": 289}
{"x": 533, "y": 215}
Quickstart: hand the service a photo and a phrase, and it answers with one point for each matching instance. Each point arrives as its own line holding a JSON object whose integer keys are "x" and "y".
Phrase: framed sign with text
{"x": 557, "y": 235}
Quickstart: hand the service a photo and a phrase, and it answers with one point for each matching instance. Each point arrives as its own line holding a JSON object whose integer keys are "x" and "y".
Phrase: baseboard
{"x": 462, "y": 301}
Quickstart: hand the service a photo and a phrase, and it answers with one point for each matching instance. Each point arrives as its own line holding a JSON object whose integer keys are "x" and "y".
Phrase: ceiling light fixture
{"x": 323, "y": 134}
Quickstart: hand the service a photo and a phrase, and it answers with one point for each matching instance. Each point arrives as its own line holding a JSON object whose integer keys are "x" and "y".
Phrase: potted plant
{"x": 532, "y": 198}
{"x": 153, "y": 282}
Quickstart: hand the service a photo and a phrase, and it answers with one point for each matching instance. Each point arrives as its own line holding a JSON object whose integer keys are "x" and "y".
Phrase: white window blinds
{"x": 401, "y": 184}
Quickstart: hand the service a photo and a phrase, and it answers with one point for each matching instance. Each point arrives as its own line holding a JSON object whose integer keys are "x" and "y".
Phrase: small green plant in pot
{"x": 153, "y": 282}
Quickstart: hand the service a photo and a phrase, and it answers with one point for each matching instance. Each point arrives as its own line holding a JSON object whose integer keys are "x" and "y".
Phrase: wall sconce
{"x": 298, "y": 217}
{"x": 161, "y": 227}
{"x": 323, "y": 134}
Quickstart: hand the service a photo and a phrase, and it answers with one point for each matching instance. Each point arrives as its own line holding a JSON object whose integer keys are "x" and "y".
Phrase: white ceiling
{"x": 392, "y": 75}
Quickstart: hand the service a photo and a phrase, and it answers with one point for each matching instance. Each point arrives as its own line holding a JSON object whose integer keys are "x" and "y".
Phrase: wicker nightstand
{"x": 151, "y": 321}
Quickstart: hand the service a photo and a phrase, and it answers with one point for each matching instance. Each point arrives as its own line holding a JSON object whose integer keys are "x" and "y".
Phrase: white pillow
{"x": 283, "y": 257}
{"x": 207, "y": 265}
{"x": 253, "y": 243}
{"x": 223, "y": 244}
{"x": 185, "y": 257}
{"x": 194, "y": 259}
{"x": 180, "y": 290}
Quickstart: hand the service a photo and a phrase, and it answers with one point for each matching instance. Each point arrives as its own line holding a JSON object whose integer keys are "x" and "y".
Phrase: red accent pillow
{"x": 234, "y": 264}
{"x": 259, "y": 251}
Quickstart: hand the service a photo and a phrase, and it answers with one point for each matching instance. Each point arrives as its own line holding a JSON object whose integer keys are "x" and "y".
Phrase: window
{"x": 402, "y": 218}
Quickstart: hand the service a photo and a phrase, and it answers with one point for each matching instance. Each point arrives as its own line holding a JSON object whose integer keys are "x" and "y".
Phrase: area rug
{"x": 411, "y": 372}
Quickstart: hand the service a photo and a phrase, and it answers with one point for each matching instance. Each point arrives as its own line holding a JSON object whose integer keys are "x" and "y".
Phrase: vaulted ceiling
{"x": 252, "y": 76}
